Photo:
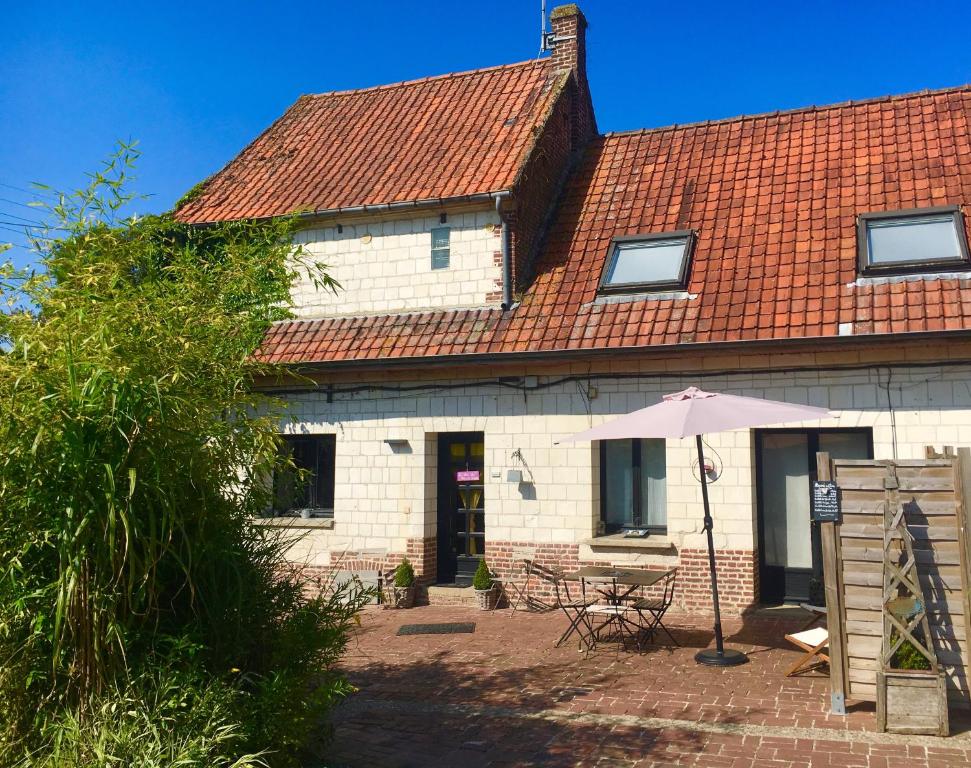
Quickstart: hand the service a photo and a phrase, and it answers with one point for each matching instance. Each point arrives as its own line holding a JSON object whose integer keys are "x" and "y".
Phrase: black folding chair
{"x": 576, "y": 612}
{"x": 652, "y": 609}
{"x": 535, "y": 572}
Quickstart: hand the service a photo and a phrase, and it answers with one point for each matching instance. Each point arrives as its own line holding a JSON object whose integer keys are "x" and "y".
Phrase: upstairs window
{"x": 440, "y": 247}
{"x": 308, "y": 489}
{"x": 633, "y": 485}
{"x": 647, "y": 263}
{"x": 928, "y": 240}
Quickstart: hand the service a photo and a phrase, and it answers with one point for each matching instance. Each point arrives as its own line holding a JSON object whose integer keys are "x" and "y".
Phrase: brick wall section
{"x": 538, "y": 186}
{"x": 738, "y": 575}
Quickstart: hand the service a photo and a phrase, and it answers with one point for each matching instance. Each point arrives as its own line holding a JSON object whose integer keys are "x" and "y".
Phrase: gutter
{"x": 506, "y": 253}
{"x": 405, "y": 205}
{"x": 654, "y": 350}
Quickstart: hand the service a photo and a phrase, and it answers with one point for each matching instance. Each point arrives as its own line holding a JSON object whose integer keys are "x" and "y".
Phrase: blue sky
{"x": 194, "y": 83}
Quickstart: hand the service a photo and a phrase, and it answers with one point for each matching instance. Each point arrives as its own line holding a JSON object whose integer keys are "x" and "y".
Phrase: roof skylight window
{"x": 648, "y": 263}
{"x": 924, "y": 240}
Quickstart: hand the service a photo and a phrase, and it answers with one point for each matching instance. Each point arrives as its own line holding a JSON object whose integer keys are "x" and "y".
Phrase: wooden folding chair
{"x": 813, "y": 642}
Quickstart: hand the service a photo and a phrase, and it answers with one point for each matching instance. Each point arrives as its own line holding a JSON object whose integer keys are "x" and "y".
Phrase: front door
{"x": 461, "y": 506}
{"x": 789, "y": 548}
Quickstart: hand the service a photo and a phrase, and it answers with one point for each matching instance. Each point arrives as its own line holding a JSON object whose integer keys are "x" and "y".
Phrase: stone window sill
{"x": 318, "y": 523}
{"x": 661, "y": 545}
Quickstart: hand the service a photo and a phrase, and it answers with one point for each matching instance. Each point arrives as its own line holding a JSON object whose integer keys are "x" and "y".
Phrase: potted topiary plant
{"x": 404, "y": 585}
{"x": 486, "y": 588}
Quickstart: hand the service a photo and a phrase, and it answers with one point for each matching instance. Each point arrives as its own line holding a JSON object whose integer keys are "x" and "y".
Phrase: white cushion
{"x": 812, "y": 637}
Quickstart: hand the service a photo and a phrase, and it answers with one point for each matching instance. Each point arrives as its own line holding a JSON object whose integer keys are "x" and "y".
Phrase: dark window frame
{"x": 319, "y": 486}
{"x": 959, "y": 264}
{"x": 447, "y": 250}
{"x": 688, "y": 235}
{"x": 637, "y": 516}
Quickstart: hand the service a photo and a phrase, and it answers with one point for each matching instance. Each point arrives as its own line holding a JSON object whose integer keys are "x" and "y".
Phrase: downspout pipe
{"x": 506, "y": 251}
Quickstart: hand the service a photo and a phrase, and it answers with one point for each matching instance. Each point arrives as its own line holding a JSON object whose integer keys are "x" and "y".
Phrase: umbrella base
{"x": 714, "y": 658}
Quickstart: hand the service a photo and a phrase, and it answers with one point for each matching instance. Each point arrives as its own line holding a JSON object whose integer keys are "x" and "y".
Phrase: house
{"x": 510, "y": 276}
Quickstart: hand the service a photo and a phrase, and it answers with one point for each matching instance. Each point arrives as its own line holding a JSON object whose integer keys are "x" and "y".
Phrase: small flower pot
{"x": 487, "y": 599}
{"x": 403, "y": 597}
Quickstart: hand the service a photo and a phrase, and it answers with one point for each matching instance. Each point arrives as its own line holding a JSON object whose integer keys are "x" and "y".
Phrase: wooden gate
{"x": 933, "y": 491}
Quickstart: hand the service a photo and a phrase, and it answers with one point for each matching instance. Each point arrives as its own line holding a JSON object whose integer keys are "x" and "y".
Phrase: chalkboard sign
{"x": 826, "y": 502}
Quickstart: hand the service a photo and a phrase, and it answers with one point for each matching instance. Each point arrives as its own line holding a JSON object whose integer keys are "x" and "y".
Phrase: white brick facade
{"x": 384, "y": 265}
{"x": 385, "y": 496}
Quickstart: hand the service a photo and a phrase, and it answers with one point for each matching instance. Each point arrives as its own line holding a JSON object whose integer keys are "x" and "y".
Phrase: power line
{"x": 21, "y": 218}
{"x": 38, "y": 192}
{"x": 44, "y": 227}
{"x": 22, "y": 205}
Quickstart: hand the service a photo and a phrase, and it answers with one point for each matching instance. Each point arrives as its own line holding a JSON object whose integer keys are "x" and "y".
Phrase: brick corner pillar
{"x": 423, "y": 554}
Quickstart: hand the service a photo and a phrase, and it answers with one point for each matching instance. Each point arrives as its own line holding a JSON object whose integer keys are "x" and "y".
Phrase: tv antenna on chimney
{"x": 545, "y": 37}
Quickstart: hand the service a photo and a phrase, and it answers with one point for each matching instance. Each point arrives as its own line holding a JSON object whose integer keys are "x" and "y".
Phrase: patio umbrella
{"x": 691, "y": 413}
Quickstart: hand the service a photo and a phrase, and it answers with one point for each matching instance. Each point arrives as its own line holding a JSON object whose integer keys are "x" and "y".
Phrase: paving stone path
{"x": 504, "y": 696}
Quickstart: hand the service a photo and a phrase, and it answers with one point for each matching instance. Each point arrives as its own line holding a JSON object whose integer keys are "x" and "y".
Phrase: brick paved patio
{"x": 504, "y": 696}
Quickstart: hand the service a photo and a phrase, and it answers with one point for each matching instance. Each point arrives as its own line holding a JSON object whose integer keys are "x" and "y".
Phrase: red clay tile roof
{"x": 773, "y": 199}
{"x": 442, "y": 137}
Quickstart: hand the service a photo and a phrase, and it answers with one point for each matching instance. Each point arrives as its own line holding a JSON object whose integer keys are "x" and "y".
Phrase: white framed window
{"x": 440, "y": 247}
{"x": 648, "y": 263}
{"x": 923, "y": 240}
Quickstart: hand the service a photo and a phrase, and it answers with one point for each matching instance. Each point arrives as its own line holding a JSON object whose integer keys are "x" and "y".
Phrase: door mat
{"x": 454, "y": 628}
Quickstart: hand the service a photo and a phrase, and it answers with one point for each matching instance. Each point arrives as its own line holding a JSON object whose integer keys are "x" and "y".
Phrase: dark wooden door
{"x": 461, "y": 506}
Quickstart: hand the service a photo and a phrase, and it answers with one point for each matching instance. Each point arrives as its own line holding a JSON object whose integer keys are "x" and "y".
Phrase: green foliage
{"x": 907, "y": 656}
{"x": 482, "y": 579}
{"x": 404, "y": 574}
{"x": 135, "y": 456}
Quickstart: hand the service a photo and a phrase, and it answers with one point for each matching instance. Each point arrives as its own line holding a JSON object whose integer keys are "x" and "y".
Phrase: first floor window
{"x": 633, "y": 485}
{"x": 309, "y": 484}
{"x": 440, "y": 248}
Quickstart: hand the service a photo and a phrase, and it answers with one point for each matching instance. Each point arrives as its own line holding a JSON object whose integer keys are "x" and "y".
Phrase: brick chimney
{"x": 570, "y": 53}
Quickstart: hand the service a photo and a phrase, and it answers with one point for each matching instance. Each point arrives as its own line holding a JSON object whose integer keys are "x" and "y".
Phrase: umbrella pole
{"x": 717, "y": 657}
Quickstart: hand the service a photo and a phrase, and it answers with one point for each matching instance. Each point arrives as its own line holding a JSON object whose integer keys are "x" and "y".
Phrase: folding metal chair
{"x": 619, "y": 619}
{"x": 544, "y": 574}
{"x": 576, "y": 612}
{"x": 651, "y": 610}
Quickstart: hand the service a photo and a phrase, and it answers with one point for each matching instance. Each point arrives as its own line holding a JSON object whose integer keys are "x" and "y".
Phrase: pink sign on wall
{"x": 467, "y": 476}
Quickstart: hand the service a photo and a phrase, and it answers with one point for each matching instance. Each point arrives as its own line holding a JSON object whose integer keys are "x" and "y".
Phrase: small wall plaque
{"x": 468, "y": 476}
{"x": 826, "y": 502}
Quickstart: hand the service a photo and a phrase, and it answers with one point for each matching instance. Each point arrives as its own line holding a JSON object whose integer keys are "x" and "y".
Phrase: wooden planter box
{"x": 912, "y": 701}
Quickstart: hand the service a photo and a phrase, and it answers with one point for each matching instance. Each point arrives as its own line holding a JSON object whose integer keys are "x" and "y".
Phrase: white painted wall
{"x": 384, "y": 497}
{"x": 384, "y": 265}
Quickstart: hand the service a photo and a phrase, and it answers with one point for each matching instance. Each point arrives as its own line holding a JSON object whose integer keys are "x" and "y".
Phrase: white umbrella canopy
{"x": 693, "y": 412}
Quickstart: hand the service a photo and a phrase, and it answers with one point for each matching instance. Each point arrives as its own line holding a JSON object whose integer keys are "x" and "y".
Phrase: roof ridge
{"x": 794, "y": 111}
{"x": 430, "y": 78}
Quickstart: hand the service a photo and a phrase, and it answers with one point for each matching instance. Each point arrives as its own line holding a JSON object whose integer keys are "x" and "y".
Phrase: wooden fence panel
{"x": 933, "y": 492}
